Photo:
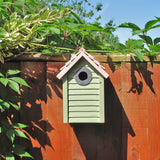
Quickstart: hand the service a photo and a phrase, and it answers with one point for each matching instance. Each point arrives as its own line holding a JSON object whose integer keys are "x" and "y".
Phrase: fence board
{"x": 132, "y": 113}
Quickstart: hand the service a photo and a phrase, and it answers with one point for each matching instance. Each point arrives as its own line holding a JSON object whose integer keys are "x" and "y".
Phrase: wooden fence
{"x": 132, "y": 111}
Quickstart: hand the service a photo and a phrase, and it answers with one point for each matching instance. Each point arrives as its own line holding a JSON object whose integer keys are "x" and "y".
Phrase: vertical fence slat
{"x": 33, "y": 107}
{"x": 131, "y": 130}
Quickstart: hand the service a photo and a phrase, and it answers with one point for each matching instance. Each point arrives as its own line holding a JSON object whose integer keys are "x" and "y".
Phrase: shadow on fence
{"x": 33, "y": 112}
{"x": 108, "y": 140}
{"x": 143, "y": 72}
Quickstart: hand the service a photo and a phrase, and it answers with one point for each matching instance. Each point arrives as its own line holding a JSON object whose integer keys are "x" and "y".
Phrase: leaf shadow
{"x": 142, "y": 69}
{"x": 110, "y": 139}
{"x": 33, "y": 111}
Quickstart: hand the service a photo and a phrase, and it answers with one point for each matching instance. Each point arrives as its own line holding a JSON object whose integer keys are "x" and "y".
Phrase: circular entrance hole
{"x": 83, "y": 76}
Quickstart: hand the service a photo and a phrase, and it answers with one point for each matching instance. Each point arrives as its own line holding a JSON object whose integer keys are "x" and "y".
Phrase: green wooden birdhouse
{"x": 83, "y": 89}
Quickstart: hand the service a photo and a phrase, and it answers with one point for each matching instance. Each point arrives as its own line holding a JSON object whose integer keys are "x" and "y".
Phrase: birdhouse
{"x": 83, "y": 89}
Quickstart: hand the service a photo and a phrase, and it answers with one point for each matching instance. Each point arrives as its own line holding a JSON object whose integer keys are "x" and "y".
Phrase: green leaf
{"x": 14, "y": 85}
{"x": 57, "y": 6}
{"x": 77, "y": 17}
{"x": 150, "y": 24}
{"x": 147, "y": 39}
{"x": 1, "y": 75}
{"x": 33, "y": 2}
{"x": 43, "y": 13}
{"x": 158, "y": 18}
{"x": 138, "y": 53}
{"x": 138, "y": 32}
{"x": 9, "y": 156}
{"x": 4, "y": 81}
{"x": 4, "y": 105}
{"x": 34, "y": 28}
{"x": 1, "y": 58}
{"x": 138, "y": 43}
{"x": 2, "y": 108}
{"x": 156, "y": 26}
{"x": 153, "y": 54}
{"x": 11, "y": 135}
{"x": 73, "y": 25}
{"x": 28, "y": 18}
{"x": 20, "y": 151}
{"x": 53, "y": 13}
{"x": 14, "y": 105}
{"x": 20, "y": 81}
{"x": 99, "y": 7}
{"x": 134, "y": 43}
{"x": 132, "y": 26}
{"x": 55, "y": 30}
{"x": 94, "y": 28}
{"x": 19, "y": 125}
{"x": 19, "y": 133}
{"x": 154, "y": 48}
{"x": 121, "y": 46}
{"x": 12, "y": 72}
{"x": 156, "y": 40}
{"x": 46, "y": 51}
{"x": 23, "y": 154}
{"x": 43, "y": 33}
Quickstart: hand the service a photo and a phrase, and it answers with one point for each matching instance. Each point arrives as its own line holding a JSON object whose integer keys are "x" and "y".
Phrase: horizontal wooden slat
{"x": 85, "y": 109}
{"x": 38, "y": 56}
{"x": 105, "y": 57}
{"x": 84, "y": 114}
{"x": 77, "y": 86}
{"x": 83, "y": 103}
{"x": 84, "y": 92}
{"x": 84, "y": 120}
{"x": 93, "y": 81}
{"x": 84, "y": 97}
{"x": 84, "y": 106}
{"x": 76, "y": 69}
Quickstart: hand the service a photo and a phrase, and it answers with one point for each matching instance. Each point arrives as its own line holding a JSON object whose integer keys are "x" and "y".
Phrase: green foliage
{"x": 55, "y": 29}
{"x": 19, "y": 34}
{"x": 152, "y": 48}
{"x": 9, "y": 129}
{"x": 61, "y": 27}
{"x": 132, "y": 46}
{"x": 84, "y": 9}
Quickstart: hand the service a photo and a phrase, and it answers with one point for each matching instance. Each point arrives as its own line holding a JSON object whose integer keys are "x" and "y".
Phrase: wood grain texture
{"x": 84, "y": 114}
{"x": 85, "y": 109}
{"x": 102, "y": 101}
{"x": 82, "y": 96}
{"x": 65, "y": 99}
{"x": 80, "y": 87}
{"x": 84, "y": 92}
{"x": 132, "y": 113}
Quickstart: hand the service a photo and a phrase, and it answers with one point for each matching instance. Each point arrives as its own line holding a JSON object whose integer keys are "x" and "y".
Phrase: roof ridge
{"x": 82, "y": 53}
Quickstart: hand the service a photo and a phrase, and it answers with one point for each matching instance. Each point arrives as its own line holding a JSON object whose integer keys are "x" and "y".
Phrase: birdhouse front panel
{"x": 83, "y": 94}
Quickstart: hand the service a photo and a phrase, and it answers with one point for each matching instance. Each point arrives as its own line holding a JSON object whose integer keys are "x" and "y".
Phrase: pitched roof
{"x": 74, "y": 59}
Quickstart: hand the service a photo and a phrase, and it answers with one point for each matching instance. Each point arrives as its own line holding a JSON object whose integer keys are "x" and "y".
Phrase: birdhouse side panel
{"x": 65, "y": 99}
{"x": 84, "y": 101}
